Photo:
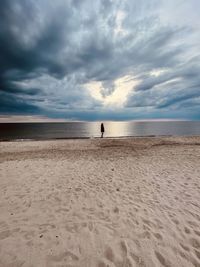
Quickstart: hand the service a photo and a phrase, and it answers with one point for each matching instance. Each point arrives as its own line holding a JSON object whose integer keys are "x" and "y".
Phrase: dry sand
{"x": 101, "y": 202}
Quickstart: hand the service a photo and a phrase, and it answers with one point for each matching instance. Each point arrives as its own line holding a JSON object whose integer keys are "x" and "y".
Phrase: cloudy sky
{"x": 100, "y": 60}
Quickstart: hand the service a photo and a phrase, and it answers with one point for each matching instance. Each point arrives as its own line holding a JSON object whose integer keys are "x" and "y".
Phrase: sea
{"x": 65, "y": 130}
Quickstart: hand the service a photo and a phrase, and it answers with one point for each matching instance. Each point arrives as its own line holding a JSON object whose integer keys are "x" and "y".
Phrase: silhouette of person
{"x": 102, "y": 130}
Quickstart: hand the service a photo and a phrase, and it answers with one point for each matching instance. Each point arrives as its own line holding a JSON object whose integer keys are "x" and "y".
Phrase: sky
{"x": 100, "y": 60}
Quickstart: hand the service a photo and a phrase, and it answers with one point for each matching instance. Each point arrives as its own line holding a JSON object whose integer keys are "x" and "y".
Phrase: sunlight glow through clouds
{"x": 123, "y": 86}
{"x": 157, "y": 73}
{"x": 119, "y": 20}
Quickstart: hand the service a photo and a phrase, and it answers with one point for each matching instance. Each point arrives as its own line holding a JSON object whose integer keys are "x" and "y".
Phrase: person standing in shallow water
{"x": 102, "y": 130}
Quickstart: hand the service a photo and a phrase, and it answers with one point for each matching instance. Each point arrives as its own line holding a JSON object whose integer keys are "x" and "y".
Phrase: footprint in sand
{"x": 187, "y": 230}
{"x": 139, "y": 261}
{"x": 193, "y": 224}
{"x": 162, "y": 260}
{"x": 197, "y": 253}
{"x": 185, "y": 247}
{"x": 109, "y": 254}
{"x": 197, "y": 232}
{"x": 5, "y": 234}
{"x": 90, "y": 226}
{"x": 124, "y": 248}
{"x": 145, "y": 234}
{"x": 116, "y": 210}
{"x": 158, "y": 236}
{"x": 195, "y": 243}
{"x": 113, "y": 260}
{"x": 175, "y": 221}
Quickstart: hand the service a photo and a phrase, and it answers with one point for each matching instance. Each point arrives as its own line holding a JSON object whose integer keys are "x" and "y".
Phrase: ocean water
{"x": 40, "y": 131}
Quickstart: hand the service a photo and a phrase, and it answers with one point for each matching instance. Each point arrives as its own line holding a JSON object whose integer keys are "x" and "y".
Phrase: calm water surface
{"x": 12, "y": 131}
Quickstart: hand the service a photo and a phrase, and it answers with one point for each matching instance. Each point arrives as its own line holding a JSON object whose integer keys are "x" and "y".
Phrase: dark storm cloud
{"x": 15, "y": 104}
{"x": 50, "y": 50}
{"x": 26, "y": 43}
{"x": 188, "y": 71}
{"x": 30, "y": 40}
{"x": 171, "y": 88}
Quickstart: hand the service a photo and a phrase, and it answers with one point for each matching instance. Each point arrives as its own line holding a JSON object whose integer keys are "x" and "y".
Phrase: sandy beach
{"x": 100, "y": 203}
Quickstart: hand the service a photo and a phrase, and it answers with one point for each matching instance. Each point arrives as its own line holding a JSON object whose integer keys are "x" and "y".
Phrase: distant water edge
{"x": 75, "y": 130}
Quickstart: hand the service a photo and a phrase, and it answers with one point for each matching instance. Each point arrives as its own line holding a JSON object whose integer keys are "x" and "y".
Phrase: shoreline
{"x": 96, "y": 138}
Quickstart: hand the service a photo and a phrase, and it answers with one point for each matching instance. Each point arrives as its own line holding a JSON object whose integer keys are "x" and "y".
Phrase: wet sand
{"x": 100, "y": 202}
